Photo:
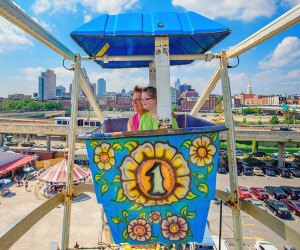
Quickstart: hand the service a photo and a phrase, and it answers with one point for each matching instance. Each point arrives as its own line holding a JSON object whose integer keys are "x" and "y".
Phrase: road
{"x": 252, "y": 229}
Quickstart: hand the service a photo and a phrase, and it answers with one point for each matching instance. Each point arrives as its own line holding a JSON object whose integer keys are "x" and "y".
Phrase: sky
{"x": 272, "y": 67}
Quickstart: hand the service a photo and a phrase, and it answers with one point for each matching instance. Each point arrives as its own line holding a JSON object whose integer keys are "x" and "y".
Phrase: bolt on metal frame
{"x": 13, "y": 14}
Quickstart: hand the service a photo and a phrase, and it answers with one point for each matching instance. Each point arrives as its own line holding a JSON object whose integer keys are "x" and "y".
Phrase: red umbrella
{"x": 57, "y": 174}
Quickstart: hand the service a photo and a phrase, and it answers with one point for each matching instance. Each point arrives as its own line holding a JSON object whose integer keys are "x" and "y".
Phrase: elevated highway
{"x": 241, "y": 133}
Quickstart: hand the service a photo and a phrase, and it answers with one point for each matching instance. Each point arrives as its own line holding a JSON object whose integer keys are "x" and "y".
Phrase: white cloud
{"x": 110, "y": 7}
{"x": 230, "y": 9}
{"x": 118, "y": 79}
{"x": 11, "y": 37}
{"x": 294, "y": 74}
{"x": 41, "y": 6}
{"x": 87, "y": 18}
{"x": 286, "y": 52}
{"x": 100, "y": 6}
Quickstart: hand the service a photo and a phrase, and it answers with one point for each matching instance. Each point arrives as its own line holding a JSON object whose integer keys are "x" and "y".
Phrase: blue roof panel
{"x": 134, "y": 34}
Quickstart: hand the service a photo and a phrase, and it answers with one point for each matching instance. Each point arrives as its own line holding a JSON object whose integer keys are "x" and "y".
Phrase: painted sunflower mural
{"x": 155, "y": 174}
{"x": 104, "y": 156}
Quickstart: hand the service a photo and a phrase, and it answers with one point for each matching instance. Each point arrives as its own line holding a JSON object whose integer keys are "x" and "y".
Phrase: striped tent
{"x": 57, "y": 174}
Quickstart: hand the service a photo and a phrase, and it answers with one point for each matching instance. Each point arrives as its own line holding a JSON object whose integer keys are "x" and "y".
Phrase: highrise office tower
{"x": 60, "y": 90}
{"x": 101, "y": 87}
{"x": 177, "y": 84}
{"x": 47, "y": 85}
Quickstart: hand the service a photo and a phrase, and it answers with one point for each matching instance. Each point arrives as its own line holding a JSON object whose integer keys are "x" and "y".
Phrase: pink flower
{"x": 155, "y": 217}
{"x": 174, "y": 228}
{"x": 139, "y": 229}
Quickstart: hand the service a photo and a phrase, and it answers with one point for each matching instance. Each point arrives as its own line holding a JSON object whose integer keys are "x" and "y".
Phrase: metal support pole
{"x": 152, "y": 72}
{"x": 162, "y": 75}
{"x": 281, "y": 151}
{"x": 71, "y": 154}
{"x": 236, "y": 216}
{"x": 48, "y": 138}
{"x": 220, "y": 226}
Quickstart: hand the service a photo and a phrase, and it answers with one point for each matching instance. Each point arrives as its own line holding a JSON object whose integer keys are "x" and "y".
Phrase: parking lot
{"x": 252, "y": 229}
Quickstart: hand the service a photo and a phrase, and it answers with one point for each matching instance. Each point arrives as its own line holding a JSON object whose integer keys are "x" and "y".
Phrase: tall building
{"x": 101, "y": 87}
{"x": 184, "y": 87}
{"x": 249, "y": 87}
{"x": 174, "y": 96}
{"x": 47, "y": 85}
{"x": 60, "y": 91}
{"x": 177, "y": 84}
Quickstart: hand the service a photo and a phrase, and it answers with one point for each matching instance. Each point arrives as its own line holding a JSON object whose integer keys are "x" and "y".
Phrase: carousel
{"x": 53, "y": 180}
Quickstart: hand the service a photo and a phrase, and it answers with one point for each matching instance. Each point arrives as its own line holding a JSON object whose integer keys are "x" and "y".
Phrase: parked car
{"x": 258, "y": 153}
{"x": 239, "y": 152}
{"x": 295, "y": 172}
{"x": 297, "y": 154}
{"x": 256, "y": 203}
{"x": 293, "y": 206}
{"x": 42, "y": 145}
{"x": 27, "y": 144}
{"x": 276, "y": 192}
{"x": 244, "y": 192}
{"x": 247, "y": 170}
{"x": 259, "y": 192}
{"x": 12, "y": 144}
{"x": 4, "y": 148}
{"x": 58, "y": 146}
{"x": 292, "y": 192}
{"x": 285, "y": 155}
{"x": 257, "y": 171}
{"x": 221, "y": 170}
{"x": 286, "y": 173}
{"x": 278, "y": 208}
{"x": 270, "y": 172}
{"x": 239, "y": 170}
{"x": 285, "y": 129}
{"x": 264, "y": 245}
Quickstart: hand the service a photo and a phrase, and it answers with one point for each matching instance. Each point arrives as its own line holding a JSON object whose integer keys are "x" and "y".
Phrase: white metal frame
{"x": 15, "y": 15}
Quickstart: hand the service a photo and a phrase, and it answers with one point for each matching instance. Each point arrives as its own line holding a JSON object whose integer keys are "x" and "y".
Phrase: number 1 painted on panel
{"x": 156, "y": 180}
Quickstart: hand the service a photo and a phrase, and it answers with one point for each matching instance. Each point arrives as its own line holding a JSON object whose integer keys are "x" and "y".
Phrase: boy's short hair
{"x": 137, "y": 88}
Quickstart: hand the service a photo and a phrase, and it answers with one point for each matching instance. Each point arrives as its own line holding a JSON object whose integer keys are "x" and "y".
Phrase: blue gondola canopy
{"x": 133, "y": 34}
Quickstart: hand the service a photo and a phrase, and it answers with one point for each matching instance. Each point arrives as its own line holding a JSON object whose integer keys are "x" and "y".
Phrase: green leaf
{"x": 116, "y": 179}
{"x": 94, "y": 144}
{"x": 136, "y": 206}
{"x": 117, "y": 146}
{"x": 183, "y": 211}
{"x": 142, "y": 216}
{"x": 116, "y": 220}
{"x": 153, "y": 238}
{"x": 187, "y": 143}
{"x": 189, "y": 233}
{"x": 130, "y": 145}
{"x": 191, "y": 215}
{"x": 210, "y": 168}
{"x": 191, "y": 196}
{"x": 98, "y": 177}
{"x": 125, "y": 234}
{"x": 213, "y": 137}
{"x": 168, "y": 213}
{"x": 120, "y": 196}
{"x": 200, "y": 176}
{"x": 104, "y": 187}
{"x": 125, "y": 214}
{"x": 203, "y": 188}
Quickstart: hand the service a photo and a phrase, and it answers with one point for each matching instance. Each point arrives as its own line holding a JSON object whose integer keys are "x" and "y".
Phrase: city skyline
{"x": 273, "y": 67}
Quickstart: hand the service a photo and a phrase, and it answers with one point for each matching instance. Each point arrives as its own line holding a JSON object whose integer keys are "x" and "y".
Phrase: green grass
{"x": 269, "y": 150}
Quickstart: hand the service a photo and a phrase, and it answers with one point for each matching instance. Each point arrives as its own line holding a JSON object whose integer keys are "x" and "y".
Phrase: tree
{"x": 110, "y": 108}
{"x": 174, "y": 108}
{"x": 274, "y": 120}
{"x": 244, "y": 120}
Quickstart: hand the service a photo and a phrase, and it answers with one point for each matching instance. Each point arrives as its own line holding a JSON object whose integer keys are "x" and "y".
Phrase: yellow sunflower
{"x": 155, "y": 174}
{"x": 202, "y": 151}
{"x": 104, "y": 156}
